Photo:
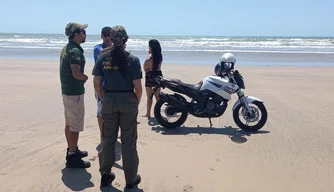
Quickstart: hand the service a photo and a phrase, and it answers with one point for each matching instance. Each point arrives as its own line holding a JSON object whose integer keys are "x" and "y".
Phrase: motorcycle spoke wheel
{"x": 250, "y": 121}
{"x": 165, "y": 116}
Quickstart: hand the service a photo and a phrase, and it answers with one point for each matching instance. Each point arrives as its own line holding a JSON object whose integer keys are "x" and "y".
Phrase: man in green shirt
{"x": 72, "y": 79}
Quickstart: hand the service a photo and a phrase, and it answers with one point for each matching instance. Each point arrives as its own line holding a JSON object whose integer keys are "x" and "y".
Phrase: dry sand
{"x": 293, "y": 152}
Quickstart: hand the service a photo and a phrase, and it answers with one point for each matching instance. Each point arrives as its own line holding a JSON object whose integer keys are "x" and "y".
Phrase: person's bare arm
{"x": 148, "y": 62}
{"x": 97, "y": 86}
{"x": 138, "y": 89}
{"x": 77, "y": 74}
{"x": 107, "y": 49}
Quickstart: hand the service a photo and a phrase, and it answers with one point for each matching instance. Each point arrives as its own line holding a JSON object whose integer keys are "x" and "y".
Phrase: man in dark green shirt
{"x": 121, "y": 94}
{"x": 72, "y": 79}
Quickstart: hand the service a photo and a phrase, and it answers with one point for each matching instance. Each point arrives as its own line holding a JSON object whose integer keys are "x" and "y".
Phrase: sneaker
{"x": 107, "y": 179}
{"x": 134, "y": 184}
{"x": 81, "y": 154}
{"x": 75, "y": 161}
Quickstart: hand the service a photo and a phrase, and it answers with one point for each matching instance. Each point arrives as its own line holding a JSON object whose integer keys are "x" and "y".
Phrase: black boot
{"x": 107, "y": 179}
{"x": 75, "y": 161}
{"x": 134, "y": 184}
{"x": 81, "y": 154}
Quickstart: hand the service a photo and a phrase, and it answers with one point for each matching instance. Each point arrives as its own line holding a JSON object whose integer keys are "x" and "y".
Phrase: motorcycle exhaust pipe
{"x": 174, "y": 101}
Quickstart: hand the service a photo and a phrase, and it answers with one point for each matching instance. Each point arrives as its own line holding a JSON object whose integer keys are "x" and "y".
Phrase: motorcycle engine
{"x": 211, "y": 106}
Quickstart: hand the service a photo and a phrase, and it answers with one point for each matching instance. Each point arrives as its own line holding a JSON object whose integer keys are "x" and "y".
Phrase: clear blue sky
{"x": 173, "y": 17}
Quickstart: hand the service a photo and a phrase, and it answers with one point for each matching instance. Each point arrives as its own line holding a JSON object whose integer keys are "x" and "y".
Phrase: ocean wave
{"x": 134, "y": 48}
{"x": 186, "y": 44}
{"x": 24, "y": 40}
{"x": 29, "y": 47}
{"x": 253, "y": 51}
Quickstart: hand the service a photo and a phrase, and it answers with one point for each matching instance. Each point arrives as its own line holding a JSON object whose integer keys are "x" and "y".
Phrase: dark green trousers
{"x": 120, "y": 110}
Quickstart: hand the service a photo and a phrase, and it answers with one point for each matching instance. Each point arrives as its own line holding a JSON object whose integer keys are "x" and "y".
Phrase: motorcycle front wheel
{"x": 165, "y": 113}
{"x": 253, "y": 121}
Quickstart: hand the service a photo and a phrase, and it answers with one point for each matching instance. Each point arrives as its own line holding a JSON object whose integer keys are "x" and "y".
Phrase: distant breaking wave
{"x": 183, "y": 43}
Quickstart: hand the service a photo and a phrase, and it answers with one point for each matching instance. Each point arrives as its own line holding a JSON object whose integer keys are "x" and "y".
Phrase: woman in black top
{"x": 152, "y": 68}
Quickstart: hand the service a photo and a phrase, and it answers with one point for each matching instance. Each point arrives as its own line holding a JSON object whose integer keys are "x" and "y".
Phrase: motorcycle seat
{"x": 194, "y": 87}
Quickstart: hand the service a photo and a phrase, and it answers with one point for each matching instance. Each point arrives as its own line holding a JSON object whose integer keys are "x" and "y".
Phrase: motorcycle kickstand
{"x": 210, "y": 122}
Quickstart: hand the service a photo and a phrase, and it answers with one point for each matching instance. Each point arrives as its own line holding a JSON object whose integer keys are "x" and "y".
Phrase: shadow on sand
{"x": 152, "y": 121}
{"x": 113, "y": 189}
{"x": 76, "y": 179}
{"x": 110, "y": 189}
{"x": 236, "y": 135}
{"x": 118, "y": 153}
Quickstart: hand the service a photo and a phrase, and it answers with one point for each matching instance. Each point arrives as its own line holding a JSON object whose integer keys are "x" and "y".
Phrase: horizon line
{"x": 29, "y": 33}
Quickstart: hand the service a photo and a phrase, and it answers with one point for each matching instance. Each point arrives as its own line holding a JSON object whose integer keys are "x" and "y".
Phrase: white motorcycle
{"x": 209, "y": 99}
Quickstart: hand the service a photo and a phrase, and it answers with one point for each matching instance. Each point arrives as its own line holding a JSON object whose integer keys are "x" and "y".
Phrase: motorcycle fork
{"x": 243, "y": 100}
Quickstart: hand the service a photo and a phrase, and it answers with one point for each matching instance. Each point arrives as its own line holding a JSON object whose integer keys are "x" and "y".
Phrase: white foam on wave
{"x": 186, "y": 44}
{"x": 30, "y": 47}
{"x": 25, "y": 40}
{"x": 249, "y": 51}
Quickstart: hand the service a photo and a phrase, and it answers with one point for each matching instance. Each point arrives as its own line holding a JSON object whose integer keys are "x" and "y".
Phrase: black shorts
{"x": 149, "y": 78}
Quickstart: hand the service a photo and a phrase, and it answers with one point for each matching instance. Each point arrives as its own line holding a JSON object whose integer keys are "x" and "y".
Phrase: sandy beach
{"x": 293, "y": 152}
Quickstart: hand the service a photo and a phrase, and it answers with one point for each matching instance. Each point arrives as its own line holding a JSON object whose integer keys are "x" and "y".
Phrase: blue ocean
{"x": 202, "y": 50}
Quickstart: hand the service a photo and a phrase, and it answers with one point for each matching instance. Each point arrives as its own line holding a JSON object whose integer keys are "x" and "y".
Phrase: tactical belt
{"x": 119, "y": 91}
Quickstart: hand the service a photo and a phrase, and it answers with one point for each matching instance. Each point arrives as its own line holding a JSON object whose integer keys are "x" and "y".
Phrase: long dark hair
{"x": 120, "y": 58}
{"x": 156, "y": 53}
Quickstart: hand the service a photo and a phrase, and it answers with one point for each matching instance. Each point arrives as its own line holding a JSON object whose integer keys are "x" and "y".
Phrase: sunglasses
{"x": 106, "y": 34}
{"x": 81, "y": 30}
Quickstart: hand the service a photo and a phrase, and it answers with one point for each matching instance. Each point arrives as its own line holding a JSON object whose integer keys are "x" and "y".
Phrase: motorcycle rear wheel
{"x": 260, "y": 121}
{"x": 164, "y": 121}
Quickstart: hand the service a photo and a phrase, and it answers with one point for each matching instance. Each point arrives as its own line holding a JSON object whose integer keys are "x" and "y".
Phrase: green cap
{"x": 118, "y": 35}
{"x": 73, "y": 27}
